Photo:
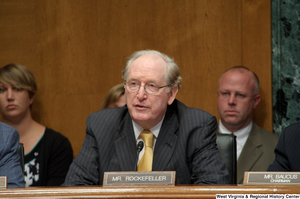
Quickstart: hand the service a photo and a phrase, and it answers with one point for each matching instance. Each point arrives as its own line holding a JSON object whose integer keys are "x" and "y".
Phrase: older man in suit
{"x": 287, "y": 151}
{"x": 182, "y": 139}
{"x": 238, "y": 96}
{"x": 10, "y": 165}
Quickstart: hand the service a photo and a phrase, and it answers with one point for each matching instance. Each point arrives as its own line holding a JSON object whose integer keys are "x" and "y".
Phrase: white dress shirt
{"x": 241, "y": 136}
{"x": 137, "y": 131}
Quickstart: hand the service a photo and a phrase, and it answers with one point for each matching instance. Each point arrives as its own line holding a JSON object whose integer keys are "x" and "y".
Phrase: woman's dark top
{"x": 48, "y": 162}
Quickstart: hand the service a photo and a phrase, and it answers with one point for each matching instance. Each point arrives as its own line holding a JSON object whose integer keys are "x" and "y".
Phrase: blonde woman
{"x": 115, "y": 97}
{"x": 48, "y": 153}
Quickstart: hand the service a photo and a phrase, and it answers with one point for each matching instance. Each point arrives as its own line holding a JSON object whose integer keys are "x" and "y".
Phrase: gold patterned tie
{"x": 146, "y": 161}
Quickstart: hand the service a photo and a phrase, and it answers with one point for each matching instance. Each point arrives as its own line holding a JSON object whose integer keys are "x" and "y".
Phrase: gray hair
{"x": 173, "y": 77}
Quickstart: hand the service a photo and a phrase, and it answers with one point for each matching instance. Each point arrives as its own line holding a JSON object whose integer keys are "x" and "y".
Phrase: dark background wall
{"x": 77, "y": 48}
{"x": 285, "y": 63}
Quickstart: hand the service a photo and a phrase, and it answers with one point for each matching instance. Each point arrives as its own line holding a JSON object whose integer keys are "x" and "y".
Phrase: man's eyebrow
{"x": 133, "y": 79}
{"x": 152, "y": 81}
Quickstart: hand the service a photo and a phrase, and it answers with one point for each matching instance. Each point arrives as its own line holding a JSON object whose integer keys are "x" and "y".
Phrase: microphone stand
{"x": 139, "y": 148}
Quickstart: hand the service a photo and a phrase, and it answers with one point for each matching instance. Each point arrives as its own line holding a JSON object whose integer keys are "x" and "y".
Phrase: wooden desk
{"x": 180, "y": 191}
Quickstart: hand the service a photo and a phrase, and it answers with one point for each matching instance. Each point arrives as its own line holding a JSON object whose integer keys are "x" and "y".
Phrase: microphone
{"x": 139, "y": 148}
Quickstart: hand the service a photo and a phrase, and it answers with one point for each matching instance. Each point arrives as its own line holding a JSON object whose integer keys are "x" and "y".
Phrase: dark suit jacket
{"x": 10, "y": 165}
{"x": 287, "y": 151}
{"x": 186, "y": 144}
{"x": 258, "y": 152}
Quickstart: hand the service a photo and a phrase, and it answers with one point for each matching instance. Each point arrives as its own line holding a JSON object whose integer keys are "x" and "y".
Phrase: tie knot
{"x": 147, "y": 137}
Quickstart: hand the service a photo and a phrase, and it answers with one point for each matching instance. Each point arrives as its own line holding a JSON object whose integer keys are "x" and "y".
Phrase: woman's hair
{"x": 173, "y": 75}
{"x": 113, "y": 95}
{"x": 18, "y": 76}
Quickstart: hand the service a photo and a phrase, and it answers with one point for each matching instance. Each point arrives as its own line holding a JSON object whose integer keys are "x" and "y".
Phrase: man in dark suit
{"x": 238, "y": 96}
{"x": 287, "y": 151}
{"x": 184, "y": 138}
{"x": 10, "y": 165}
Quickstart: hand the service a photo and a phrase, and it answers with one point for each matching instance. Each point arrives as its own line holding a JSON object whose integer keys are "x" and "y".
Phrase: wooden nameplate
{"x": 3, "y": 182}
{"x": 272, "y": 178}
{"x": 136, "y": 178}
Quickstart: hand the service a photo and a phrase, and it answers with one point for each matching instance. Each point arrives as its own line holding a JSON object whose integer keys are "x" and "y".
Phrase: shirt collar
{"x": 242, "y": 133}
{"x": 138, "y": 129}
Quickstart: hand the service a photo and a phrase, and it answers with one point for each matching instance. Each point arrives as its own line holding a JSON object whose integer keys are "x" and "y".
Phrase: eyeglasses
{"x": 238, "y": 96}
{"x": 150, "y": 88}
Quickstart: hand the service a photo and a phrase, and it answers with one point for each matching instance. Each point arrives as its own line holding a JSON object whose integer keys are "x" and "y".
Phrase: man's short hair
{"x": 256, "y": 89}
{"x": 18, "y": 76}
{"x": 173, "y": 75}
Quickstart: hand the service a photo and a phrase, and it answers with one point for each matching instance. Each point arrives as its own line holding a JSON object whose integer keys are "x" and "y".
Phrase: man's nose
{"x": 141, "y": 93}
{"x": 232, "y": 99}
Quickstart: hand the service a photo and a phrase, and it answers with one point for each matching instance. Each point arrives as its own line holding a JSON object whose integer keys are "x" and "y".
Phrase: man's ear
{"x": 172, "y": 93}
{"x": 257, "y": 100}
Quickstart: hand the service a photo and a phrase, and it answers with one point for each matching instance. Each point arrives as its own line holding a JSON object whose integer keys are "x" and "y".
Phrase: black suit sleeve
{"x": 287, "y": 150}
{"x": 85, "y": 168}
{"x": 206, "y": 165}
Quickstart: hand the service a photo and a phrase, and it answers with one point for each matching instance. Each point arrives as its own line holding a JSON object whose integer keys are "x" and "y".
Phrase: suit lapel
{"x": 250, "y": 153}
{"x": 125, "y": 145}
{"x": 166, "y": 141}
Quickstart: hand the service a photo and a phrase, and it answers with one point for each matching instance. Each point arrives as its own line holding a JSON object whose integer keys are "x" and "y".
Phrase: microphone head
{"x": 140, "y": 146}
